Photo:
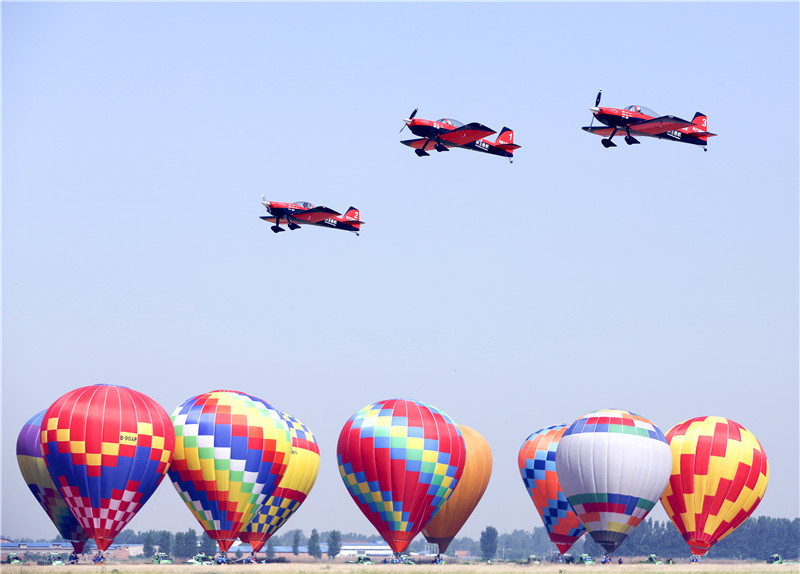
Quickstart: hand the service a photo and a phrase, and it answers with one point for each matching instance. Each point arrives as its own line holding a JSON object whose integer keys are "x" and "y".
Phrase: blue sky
{"x": 138, "y": 140}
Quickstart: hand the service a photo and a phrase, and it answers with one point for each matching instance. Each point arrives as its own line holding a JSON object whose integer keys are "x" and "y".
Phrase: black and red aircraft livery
{"x": 644, "y": 122}
{"x": 440, "y": 135}
{"x": 304, "y": 213}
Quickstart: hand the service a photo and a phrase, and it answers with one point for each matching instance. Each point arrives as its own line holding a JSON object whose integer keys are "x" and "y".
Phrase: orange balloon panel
{"x": 719, "y": 476}
{"x": 446, "y": 523}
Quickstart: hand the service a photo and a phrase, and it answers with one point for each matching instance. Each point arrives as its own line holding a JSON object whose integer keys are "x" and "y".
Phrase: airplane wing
{"x": 604, "y": 131}
{"x": 315, "y": 215}
{"x": 419, "y": 143}
{"x": 661, "y": 125}
{"x": 467, "y": 134}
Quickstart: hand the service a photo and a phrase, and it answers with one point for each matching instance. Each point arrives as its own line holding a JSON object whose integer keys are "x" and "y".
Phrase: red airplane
{"x": 446, "y": 133}
{"x": 304, "y": 213}
{"x": 644, "y": 122}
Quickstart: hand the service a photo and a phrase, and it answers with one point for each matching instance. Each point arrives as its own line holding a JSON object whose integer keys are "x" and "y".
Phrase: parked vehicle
{"x": 585, "y": 559}
{"x": 201, "y": 559}
{"x": 162, "y": 558}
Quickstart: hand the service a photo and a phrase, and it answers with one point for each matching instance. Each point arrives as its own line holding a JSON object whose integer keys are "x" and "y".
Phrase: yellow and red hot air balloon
{"x": 446, "y": 523}
{"x": 107, "y": 448}
{"x": 719, "y": 476}
{"x": 300, "y": 476}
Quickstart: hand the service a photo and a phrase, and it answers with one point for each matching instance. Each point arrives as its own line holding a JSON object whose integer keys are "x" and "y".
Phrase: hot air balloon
{"x": 537, "y": 464}
{"x": 299, "y": 478}
{"x": 34, "y": 471}
{"x": 719, "y": 476}
{"x": 400, "y": 460}
{"x": 107, "y": 448}
{"x": 231, "y": 450}
{"x": 443, "y": 527}
{"x": 613, "y": 467}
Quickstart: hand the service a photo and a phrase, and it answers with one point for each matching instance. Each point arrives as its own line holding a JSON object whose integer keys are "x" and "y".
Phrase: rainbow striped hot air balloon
{"x": 613, "y": 466}
{"x": 537, "y": 464}
{"x": 34, "y": 471}
{"x": 297, "y": 482}
{"x": 400, "y": 460}
{"x": 231, "y": 451}
{"x": 719, "y": 476}
{"x": 107, "y": 448}
{"x": 442, "y": 528}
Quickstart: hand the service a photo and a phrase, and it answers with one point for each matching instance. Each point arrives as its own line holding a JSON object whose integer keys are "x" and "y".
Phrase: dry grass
{"x": 708, "y": 567}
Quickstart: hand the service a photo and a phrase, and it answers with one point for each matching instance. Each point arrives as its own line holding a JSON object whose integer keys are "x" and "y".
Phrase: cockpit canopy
{"x": 643, "y": 110}
{"x": 450, "y": 122}
{"x": 304, "y": 204}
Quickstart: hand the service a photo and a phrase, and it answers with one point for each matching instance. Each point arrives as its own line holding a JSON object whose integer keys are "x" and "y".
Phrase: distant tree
{"x": 179, "y": 547}
{"x": 313, "y": 545}
{"x": 296, "y": 543}
{"x": 127, "y": 536}
{"x": 191, "y": 542}
{"x": 334, "y": 543}
{"x": 489, "y": 543}
{"x": 149, "y": 542}
{"x": 270, "y": 549}
{"x": 164, "y": 541}
{"x": 238, "y": 554}
{"x": 207, "y": 545}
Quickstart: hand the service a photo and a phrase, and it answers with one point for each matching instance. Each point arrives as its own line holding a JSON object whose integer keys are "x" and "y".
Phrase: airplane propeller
{"x": 411, "y": 117}
{"x": 595, "y": 108}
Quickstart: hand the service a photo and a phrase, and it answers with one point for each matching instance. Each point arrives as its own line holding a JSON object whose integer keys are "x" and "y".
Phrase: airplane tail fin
{"x": 505, "y": 140}
{"x": 351, "y": 217}
{"x": 700, "y": 121}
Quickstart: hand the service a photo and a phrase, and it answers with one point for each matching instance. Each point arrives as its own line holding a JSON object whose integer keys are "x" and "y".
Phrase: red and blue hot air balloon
{"x": 34, "y": 471}
{"x": 400, "y": 460}
{"x": 537, "y": 465}
{"x": 107, "y": 448}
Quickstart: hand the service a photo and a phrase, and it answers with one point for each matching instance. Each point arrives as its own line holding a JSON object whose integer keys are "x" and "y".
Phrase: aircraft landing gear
{"x": 292, "y": 226}
{"x": 440, "y": 147}
{"x": 421, "y": 152}
{"x": 607, "y": 143}
{"x": 630, "y": 140}
{"x": 277, "y": 229}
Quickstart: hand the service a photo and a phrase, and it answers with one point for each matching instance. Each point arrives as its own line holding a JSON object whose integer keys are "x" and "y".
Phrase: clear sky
{"x": 138, "y": 140}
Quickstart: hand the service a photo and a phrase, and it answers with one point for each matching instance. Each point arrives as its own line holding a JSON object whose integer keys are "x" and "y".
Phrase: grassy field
{"x": 709, "y": 567}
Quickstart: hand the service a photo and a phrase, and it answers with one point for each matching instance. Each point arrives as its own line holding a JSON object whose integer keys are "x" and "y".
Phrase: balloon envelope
{"x": 400, "y": 460}
{"x": 613, "y": 466}
{"x": 231, "y": 451}
{"x": 34, "y": 471}
{"x": 107, "y": 448}
{"x": 719, "y": 476}
{"x": 537, "y": 464}
{"x": 297, "y": 481}
{"x": 452, "y": 515}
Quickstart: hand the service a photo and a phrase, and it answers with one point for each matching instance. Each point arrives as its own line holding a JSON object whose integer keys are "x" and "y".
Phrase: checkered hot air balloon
{"x": 537, "y": 464}
{"x": 719, "y": 476}
{"x": 34, "y": 471}
{"x": 107, "y": 448}
{"x": 443, "y": 527}
{"x": 299, "y": 478}
{"x": 613, "y": 466}
{"x": 400, "y": 460}
{"x": 231, "y": 450}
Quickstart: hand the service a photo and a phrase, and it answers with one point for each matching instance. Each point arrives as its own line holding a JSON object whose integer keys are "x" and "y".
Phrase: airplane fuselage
{"x": 432, "y": 131}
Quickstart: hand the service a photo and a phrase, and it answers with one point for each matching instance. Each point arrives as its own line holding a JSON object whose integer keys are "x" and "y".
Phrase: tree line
{"x": 756, "y": 539}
